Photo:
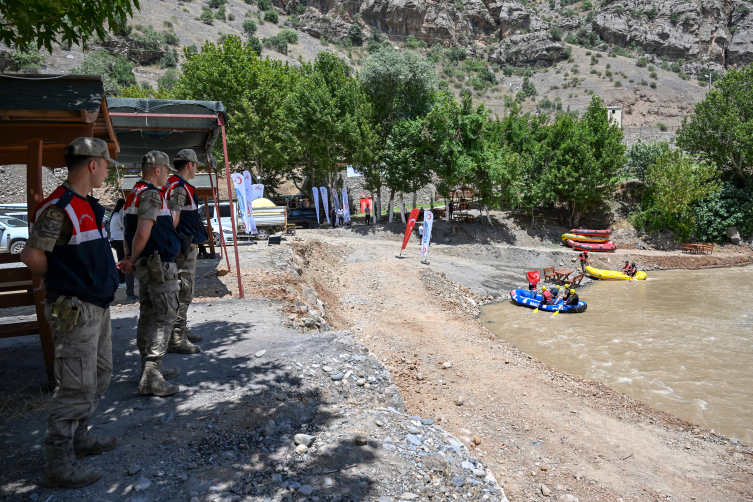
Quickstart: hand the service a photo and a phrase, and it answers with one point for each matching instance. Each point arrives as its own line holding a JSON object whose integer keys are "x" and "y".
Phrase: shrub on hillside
{"x": 249, "y": 27}
{"x": 207, "y": 17}
{"x": 641, "y": 62}
{"x": 355, "y": 34}
{"x": 271, "y": 16}
{"x": 556, "y": 33}
{"x": 116, "y": 72}
{"x": 290, "y": 36}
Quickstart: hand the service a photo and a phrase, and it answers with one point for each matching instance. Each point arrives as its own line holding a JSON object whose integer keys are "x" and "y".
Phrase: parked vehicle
{"x": 12, "y": 208}
{"x": 13, "y": 234}
{"x": 268, "y": 217}
{"x": 304, "y": 217}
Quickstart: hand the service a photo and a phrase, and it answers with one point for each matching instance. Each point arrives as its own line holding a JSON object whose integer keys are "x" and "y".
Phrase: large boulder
{"x": 734, "y": 235}
{"x": 527, "y": 48}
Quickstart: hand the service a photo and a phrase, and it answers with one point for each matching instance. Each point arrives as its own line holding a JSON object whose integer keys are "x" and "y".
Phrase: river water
{"x": 681, "y": 341}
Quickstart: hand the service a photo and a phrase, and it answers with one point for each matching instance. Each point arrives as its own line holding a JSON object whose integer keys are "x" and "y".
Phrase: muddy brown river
{"x": 681, "y": 341}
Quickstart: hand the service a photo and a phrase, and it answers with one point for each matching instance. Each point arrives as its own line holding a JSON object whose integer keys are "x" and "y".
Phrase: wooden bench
{"x": 697, "y": 248}
{"x": 549, "y": 274}
{"x": 17, "y": 290}
{"x": 576, "y": 280}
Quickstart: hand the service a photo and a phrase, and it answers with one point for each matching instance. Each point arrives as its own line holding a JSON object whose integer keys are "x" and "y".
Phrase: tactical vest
{"x": 84, "y": 267}
{"x": 164, "y": 238}
{"x": 190, "y": 222}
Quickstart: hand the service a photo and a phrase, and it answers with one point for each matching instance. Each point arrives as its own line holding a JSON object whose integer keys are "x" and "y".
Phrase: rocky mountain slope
{"x": 569, "y": 50}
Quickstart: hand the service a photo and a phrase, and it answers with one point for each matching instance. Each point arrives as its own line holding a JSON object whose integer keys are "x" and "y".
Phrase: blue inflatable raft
{"x": 532, "y": 300}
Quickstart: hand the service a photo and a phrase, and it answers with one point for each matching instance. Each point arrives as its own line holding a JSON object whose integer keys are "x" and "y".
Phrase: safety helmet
{"x": 567, "y": 285}
{"x": 572, "y": 291}
{"x": 543, "y": 288}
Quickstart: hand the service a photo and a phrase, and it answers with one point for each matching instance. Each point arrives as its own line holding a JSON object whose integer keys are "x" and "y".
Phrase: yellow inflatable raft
{"x": 583, "y": 238}
{"x": 612, "y": 275}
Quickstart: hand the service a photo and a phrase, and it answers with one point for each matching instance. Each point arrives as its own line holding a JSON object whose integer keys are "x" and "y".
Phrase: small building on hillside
{"x": 615, "y": 115}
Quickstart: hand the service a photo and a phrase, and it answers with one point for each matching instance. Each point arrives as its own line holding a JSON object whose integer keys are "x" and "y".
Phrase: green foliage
{"x": 277, "y": 43}
{"x": 168, "y": 80}
{"x": 412, "y": 43}
{"x": 253, "y": 91}
{"x": 330, "y": 118}
{"x": 28, "y": 60}
{"x": 290, "y": 36}
{"x": 355, "y": 34}
{"x": 587, "y": 5}
{"x": 220, "y": 14}
{"x": 170, "y": 39}
{"x": 249, "y": 27}
{"x": 264, "y": 5}
{"x": 641, "y": 156}
{"x": 300, "y": 9}
{"x": 145, "y": 92}
{"x": 116, "y": 72}
{"x": 149, "y": 40}
{"x": 674, "y": 18}
{"x": 255, "y": 45}
{"x": 216, "y": 4}
{"x": 720, "y": 130}
{"x": 556, "y": 33}
{"x": 652, "y": 85}
{"x": 674, "y": 184}
{"x": 207, "y": 17}
{"x": 67, "y": 22}
{"x": 399, "y": 85}
{"x": 271, "y": 16}
{"x": 662, "y": 126}
{"x": 169, "y": 60}
{"x": 455, "y": 54}
{"x": 730, "y": 206}
{"x": 528, "y": 88}
{"x": 641, "y": 62}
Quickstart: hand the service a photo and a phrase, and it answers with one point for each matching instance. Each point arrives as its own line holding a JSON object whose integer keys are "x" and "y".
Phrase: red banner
{"x": 534, "y": 277}
{"x": 409, "y": 227}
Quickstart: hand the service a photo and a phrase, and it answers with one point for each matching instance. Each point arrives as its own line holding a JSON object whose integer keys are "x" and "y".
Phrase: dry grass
{"x": 20, "y": 404}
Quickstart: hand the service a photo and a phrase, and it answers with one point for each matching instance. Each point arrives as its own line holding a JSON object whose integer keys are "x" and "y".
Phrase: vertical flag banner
{"x": 325, "y": 202}
{"x": 316, "y": 203}
{"x": 346, "y": 206}
{"x": 240, "y": 193}
{"x": 249, "y": 197}
{"x": 428, "y": 222}
{"x": 257, "y": 191}
{"x": 409, "y": 227}
{"x": 534, "y": 277}
{"x": 335, "y": 200}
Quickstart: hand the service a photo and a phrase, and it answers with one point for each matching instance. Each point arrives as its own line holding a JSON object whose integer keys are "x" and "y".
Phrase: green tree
{"x": 642, "y": 155}
{"x": 400, "y": 85}
{"x": 675, "y": 183}
{"x": 330, "y": 118}
{"x": 408, "y": 159}
{"x": 720, "y": 130}
{"x": 730, "y": 206}
{"x": 271, "y": 16}
{"x": 253, "y": 91}
{"x": 116, "y": 72}
{"x": 67, "y": 22}
{"x": 355, "y": 34}
{"x": 583, "y": 159}
{"x": 249, "y": 27}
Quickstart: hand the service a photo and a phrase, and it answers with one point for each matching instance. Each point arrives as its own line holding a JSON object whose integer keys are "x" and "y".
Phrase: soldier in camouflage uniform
{"x": 68, "y": 248}
{"x": 181, "y": 196}
{"x": 152, "y": 247}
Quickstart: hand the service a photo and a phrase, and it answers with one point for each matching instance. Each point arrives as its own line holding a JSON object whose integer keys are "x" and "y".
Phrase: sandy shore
{"x": 546, "y": 432}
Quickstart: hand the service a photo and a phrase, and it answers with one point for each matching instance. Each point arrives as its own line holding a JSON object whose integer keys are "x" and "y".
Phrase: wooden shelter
{"x": 169, "y": 126}
{"x": 39, "y": 116}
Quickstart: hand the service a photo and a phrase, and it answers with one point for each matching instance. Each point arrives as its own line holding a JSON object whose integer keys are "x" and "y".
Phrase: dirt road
{"x": 546, "y": 432}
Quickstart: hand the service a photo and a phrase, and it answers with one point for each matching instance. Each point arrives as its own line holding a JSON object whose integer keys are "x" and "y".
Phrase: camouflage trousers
{"x": 158, "y": 310}
{"x": 186, "y": 279}
{"x": 83, "y": 368}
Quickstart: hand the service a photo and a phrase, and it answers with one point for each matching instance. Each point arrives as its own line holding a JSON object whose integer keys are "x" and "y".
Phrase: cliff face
{"x": 718, "y": 32}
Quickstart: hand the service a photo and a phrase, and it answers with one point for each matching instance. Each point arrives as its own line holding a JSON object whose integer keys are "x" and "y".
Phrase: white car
{"x": 13, "y": 234}
{"x": 268, "y": 217}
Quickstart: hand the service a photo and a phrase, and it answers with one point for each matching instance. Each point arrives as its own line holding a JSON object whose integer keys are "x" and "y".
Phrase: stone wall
{"x": 13, "y": 182}
{"x": 631, "y": 138}
{"x": 356, "y": 190}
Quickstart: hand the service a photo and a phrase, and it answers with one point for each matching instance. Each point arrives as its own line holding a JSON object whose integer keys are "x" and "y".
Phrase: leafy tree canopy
{"x": 721, "y": 128}
{"x": 67, "y": 22}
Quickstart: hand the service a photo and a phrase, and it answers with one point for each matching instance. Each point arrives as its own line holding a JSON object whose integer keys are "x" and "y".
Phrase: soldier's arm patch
{"x": 48, "y": 229}
{"x": 149, "y": 205}
{"x": 178, "y": 198}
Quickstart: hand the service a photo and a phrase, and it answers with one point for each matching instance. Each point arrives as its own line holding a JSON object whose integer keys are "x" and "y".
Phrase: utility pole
{"x": 710, "y": 73}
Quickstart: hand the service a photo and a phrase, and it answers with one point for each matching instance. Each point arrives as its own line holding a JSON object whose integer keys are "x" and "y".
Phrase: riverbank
{"x": 534, "y": 424}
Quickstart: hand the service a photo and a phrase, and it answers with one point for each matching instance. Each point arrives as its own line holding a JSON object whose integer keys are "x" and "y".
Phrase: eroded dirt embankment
{"x": 545, "y": 431}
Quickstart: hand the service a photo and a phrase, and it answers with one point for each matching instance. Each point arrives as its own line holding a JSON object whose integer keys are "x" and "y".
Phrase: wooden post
{"x": 34, "y": 196}
{"x": 210, "y": 231}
